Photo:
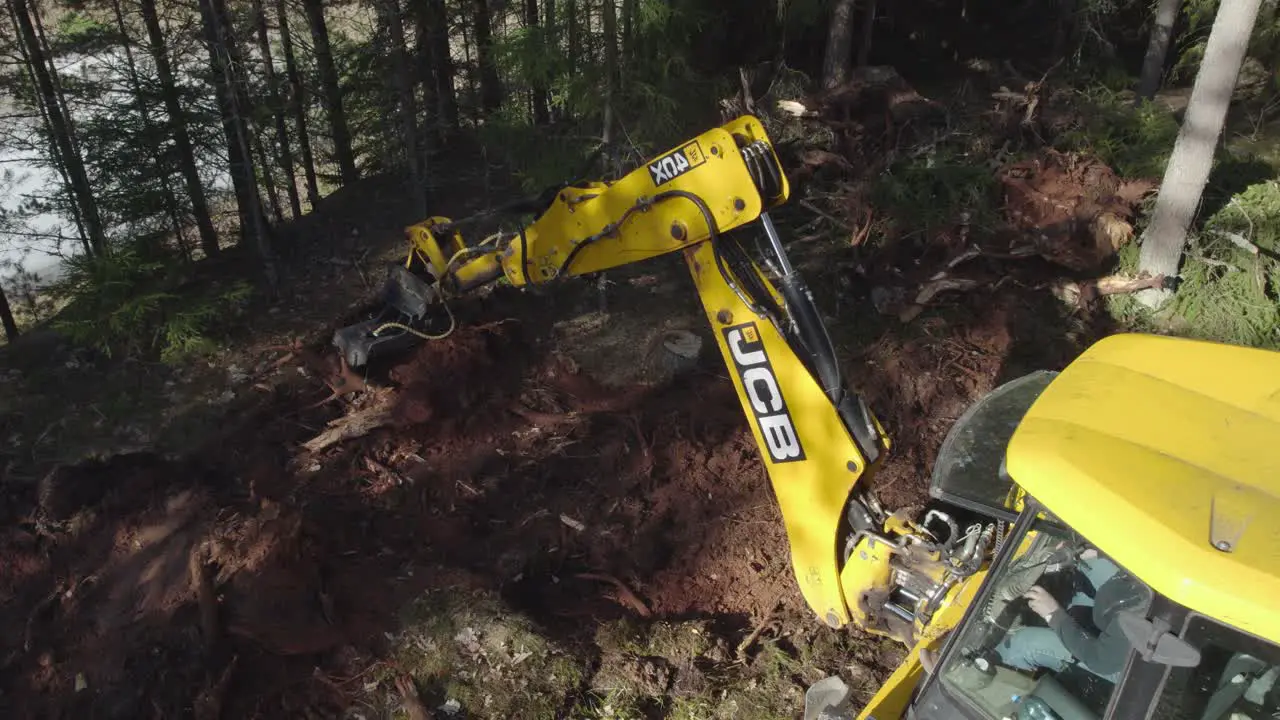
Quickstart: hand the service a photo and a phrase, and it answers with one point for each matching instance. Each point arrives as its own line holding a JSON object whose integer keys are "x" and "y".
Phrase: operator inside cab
{"x": 1047, "y": 644}
{"x": 1087, "y": 630}
{"x": 1049, "y": 629}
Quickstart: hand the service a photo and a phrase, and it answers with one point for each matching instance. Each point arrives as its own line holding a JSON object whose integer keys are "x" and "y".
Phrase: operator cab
{"x": 1235, "y": 676}
{"x": 1150, "y": 527}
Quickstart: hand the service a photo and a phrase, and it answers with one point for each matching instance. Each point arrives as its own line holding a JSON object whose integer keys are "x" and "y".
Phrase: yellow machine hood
{"x": 1165, "y": 453}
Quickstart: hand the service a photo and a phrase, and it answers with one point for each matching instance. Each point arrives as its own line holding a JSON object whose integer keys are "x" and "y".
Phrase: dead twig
{"x": 759, "y": 629}
{"x": 824, "y": 214}
{"x": 860, "y": 236}
{"x": 624, "y": 594}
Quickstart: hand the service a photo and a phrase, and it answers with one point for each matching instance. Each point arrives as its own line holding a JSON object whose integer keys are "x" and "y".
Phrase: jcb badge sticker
{"x": 676, "y": 163}
{"x": 763, "y": 393}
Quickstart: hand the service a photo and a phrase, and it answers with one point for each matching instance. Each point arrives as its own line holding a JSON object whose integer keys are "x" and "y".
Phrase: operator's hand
{"x": 1041, "y": 602}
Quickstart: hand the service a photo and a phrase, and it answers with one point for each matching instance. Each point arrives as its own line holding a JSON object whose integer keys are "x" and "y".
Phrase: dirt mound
{"x": 1074, "y": 208}
{"x": 143, "y": 579}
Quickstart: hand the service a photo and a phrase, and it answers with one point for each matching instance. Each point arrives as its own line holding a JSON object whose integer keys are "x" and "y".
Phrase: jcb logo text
{"x": 763, "y": 393}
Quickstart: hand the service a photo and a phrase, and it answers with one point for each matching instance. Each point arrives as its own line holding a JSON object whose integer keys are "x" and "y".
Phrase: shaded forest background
{"x": 176, "y": 130}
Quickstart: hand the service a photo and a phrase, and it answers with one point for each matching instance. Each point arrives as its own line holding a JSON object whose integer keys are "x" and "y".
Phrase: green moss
{"x": 613, "y": 705}
{"x": 466, "y": 646}
{"x": 1133, "y": 140}
{"x": 923, "y": 193}
{"x": 1226, "y": 294}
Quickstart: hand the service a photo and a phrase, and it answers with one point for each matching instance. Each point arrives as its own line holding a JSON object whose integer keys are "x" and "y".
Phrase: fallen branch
{"x": 931, "y": 290}
{"x": 1083, "y": 294}
{"x": 624, "y": 594}
{"x": 350, "y": 427}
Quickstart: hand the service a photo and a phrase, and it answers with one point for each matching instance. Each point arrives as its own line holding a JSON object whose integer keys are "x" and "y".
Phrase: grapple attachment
{"x": 405, "y": 299}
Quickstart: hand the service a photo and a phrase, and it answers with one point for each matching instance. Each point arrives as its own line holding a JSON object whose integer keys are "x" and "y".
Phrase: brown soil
{"x": 503, "y": 448}
{"x": 1074, "y": 208}
{"x": 249, "y": 578}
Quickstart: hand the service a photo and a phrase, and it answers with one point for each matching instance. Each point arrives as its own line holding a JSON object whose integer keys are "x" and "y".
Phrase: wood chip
{"x": 575, "y": 524}
{"x": 795, "y": 109}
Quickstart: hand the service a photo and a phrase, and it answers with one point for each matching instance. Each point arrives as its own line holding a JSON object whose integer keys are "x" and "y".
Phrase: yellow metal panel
{"x": 1142, "y": 441}
{"x": 710, "y": 166}
{"x": 891, "y": 700}
{"x": 423, "y": 239}
{"x": 867, "y": 569}
{"x": 812, "y": 471}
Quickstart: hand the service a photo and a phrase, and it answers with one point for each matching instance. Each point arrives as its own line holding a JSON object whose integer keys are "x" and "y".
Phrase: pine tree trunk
{"x": 425, "y": 72}
{"x": 628, "y": 34}
{"x": 610, "y": 21}
{"x": 149, "y": 127}
{"x": 268, "y": 178}
{"x": 391, "y": 17}
{"x": 571, "y": 18}
{"x": 297, "y": 102}
{"x": 6, "y": 318}
{"x": 57, "y": 80}
{"x": 868, "y": 32}
{"x": 61, "y": 131}
{"x": 473, "y": 87}
{"x": 277, "y": 109}
{"x": 490, "y": 85}
{"x": 54, "y": 152}
{"x": 1067, "y": 25}
{"x": 538, "y": 92}
{"x": 442, "y": 62}
{"x": 553, "y": 45}
{"x": 224, "y": 60}
{"x": 839, "y": 54}
{"x": 1192, "y": 158}
{"x": 332, "y": 91}
{"x": 1158, "y": 48}
{"x": 178, "y": 129}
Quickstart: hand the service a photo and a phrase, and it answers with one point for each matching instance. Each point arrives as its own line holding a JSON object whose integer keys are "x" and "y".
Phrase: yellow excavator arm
{"x": 854, "y": 563}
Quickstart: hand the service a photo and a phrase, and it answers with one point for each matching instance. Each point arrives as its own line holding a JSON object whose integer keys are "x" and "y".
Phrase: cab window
{"x": 1046, "y": 639}
{"x": 1238, "y": 677}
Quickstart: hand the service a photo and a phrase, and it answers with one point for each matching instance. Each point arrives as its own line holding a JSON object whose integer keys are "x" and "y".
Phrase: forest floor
{"x": 550, "y": 526}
